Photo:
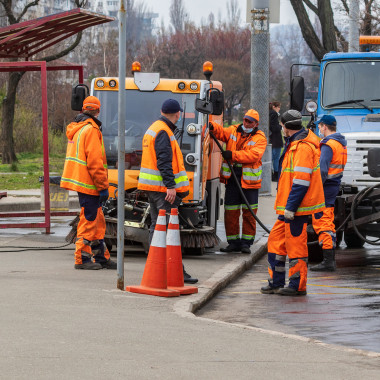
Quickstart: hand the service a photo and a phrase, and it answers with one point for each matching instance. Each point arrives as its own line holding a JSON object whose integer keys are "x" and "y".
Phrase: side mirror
{"x": 78, "y": 95}
{"x": 217, "y": 100}
{"x": 373, "y": 161}
{"x": 203, "y": 106}
{"x": 297, "y": 93}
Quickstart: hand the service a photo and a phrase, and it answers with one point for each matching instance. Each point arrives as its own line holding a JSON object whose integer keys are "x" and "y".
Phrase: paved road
{"x": 341, "y": 307}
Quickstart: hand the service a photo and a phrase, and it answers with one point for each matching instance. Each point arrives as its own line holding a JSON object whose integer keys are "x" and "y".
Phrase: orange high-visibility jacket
{"x": 339, "y": 158}
{"x": 150, "y": 177}
{"x": 85, "y": 167}
{"x": 249, "y": 156}
{"x": 301, "y": 166}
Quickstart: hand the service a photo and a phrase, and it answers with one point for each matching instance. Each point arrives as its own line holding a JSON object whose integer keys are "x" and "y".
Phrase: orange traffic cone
{"x": 154, "y": 280}
{"x": 174, "y": 257}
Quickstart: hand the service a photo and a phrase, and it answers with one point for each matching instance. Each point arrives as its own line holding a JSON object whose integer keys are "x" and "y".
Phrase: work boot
{"x": 291, "y": 292}
{"x": 328, "y": 263}
{"x": 231, "y": 248}
{"x": 245, "y": 249}
{"x": 188, "y": 279}
{"x": 89, "y": 265}
{"x": 109, "y": 264}
{"x": 270, "y": 290}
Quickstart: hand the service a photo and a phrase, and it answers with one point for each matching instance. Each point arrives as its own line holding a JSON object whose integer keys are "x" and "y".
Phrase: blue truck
{"x": 349, "y": 89}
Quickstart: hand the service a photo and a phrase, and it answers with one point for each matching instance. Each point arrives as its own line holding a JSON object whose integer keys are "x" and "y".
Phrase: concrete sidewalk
{"x": 61, "y": 323}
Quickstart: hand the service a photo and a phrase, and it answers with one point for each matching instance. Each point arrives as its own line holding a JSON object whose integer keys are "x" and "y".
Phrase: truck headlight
{"x": 311, "y": 106}
{"x": 191, "y": 129}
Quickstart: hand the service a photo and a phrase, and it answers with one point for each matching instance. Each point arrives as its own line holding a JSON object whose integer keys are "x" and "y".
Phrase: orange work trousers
{"x": 288, "y": 238}
{"x": 324, "y": 227}
{"x": 90, "y": 231}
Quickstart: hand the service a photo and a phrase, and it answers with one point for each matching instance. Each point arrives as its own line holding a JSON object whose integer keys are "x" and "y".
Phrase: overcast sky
{"x": 200, "y": 9}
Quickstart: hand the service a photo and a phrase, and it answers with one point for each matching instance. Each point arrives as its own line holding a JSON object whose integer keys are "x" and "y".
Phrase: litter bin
{"x": 59, "y": 198}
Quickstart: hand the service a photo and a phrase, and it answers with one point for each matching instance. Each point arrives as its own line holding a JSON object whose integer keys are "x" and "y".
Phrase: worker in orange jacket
{"x": 162, "y": 173}
{"x": 299, "y": 194}
{"x": 245, "y": 147}
{"x": 332, "y": 161}
{"x": 85, "y": 171}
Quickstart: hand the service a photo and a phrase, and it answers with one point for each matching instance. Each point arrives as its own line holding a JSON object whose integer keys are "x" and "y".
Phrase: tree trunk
{"x": 307, "y": 29}
{"x": 229, "y": 115}
{"x": 9, "y": 102}
{"x": 326, "y": 17}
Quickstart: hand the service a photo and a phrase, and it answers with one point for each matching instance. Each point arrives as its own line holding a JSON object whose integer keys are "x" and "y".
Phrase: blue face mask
{"x": 247, "y": 130}
{"x": 180, "y": 118}
{"x": 321, "y": 135}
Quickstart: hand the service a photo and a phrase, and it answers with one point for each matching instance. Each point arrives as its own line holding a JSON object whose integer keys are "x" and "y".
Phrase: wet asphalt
{"x": 341, "y": 307}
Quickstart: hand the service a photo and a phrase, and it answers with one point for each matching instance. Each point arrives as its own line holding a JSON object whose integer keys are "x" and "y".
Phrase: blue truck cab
{"x": 349, "y": 89}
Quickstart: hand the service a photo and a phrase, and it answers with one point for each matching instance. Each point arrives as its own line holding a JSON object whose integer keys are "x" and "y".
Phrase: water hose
{"x": 239, "y": 186}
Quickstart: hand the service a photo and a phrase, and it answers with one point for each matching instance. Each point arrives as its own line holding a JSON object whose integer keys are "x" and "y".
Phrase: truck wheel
{"x": 352, "y": 240}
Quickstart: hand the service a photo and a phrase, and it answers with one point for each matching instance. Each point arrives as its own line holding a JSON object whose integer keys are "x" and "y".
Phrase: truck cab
{"x": 349, "y": 89}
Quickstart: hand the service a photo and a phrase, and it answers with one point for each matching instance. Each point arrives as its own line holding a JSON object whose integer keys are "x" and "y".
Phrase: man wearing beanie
{"x": 162, "y": 174}
{"x": 299, "y": 194}
{"x": 245, "y": 147}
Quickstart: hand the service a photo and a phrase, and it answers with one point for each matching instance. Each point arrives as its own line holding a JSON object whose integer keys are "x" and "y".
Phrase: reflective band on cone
{"x": 154, "y": 280}
{"x": 174, "y": 257}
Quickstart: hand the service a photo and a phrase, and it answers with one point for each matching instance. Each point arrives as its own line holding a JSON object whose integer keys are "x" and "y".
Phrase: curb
{"x": 220, "y": 280}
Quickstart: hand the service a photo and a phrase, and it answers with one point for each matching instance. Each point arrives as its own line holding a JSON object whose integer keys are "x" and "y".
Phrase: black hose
{"x": 356, "y": 201}
{"x": 238, "y": 185}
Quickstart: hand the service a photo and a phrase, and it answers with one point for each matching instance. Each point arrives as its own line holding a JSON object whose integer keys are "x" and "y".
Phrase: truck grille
{"x": 356, "y": 169}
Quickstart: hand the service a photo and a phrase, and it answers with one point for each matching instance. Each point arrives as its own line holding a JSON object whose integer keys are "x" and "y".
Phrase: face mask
{"x": 247, "y": 130}
{"x": 321, "y": 135}
{"x": 180, "y": 118}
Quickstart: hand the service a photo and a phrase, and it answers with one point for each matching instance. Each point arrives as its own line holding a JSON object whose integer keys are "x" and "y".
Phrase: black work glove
{"x": 210, "y": 127}
{"x": 103, "y": 195}
{"x": 227, "y": 155}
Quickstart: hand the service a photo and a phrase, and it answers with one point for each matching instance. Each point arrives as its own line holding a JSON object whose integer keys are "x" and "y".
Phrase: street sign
{"x": 273, "y": 5}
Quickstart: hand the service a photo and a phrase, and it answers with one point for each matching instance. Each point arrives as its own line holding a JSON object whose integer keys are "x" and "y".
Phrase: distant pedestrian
{"x": 299, "y": 194}
{"x": 245, "y": 147}
{"x": 332, "y": 161}
{"x": 275, "y": 136}
{"x": 85, "y": 171}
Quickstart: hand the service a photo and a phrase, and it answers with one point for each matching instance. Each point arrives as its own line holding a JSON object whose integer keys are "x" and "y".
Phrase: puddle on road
{"x": 340, "y": 308}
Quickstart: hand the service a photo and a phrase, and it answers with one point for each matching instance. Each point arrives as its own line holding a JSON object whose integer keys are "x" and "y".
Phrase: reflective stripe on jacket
{"x": 150, "y": 177}
{"x": 339, "y": 159}
{"x": 85, "y": 167}
{"x": 300, "y": 166}
{"x": 250, "y": 152}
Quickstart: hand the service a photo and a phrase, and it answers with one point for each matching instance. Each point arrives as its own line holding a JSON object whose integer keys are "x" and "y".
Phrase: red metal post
{"x": 45, "y": 140}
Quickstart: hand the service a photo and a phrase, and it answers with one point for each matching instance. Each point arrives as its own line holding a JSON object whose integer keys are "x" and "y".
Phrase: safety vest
{"x": 301, "y": 166}
{"x": 339, "y": 159}
{"x": 248, "y": 157}
{"x": 85, "y": 167}
{"x": 150, "y": 177}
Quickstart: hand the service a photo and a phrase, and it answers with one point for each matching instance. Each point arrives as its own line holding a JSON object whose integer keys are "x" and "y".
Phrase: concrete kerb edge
{"x": 187, "y": 306}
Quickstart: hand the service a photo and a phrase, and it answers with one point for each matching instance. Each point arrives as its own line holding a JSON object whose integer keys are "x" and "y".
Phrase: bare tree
{"x": 332, "y": 36}
{"x": 9, "y": 101}
{"x": 233, "y": 13}
{"x": 178, "y": 15}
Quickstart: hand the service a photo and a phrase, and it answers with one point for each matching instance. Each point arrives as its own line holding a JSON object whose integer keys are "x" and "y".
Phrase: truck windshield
{"x": 142, "y": 109}
{"x": 351, "y": 84}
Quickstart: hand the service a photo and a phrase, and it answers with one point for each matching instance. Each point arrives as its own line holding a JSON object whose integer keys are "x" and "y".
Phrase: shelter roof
{"x": 28, "y": 38}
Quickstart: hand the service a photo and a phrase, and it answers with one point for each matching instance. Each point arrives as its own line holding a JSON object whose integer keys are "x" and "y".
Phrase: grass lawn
{"x": 25, "y": 173}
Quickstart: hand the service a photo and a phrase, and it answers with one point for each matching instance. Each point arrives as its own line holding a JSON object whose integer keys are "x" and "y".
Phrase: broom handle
{"x": 238, "y": 185}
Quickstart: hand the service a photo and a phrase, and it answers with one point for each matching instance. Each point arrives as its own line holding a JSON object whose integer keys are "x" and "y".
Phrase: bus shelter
{"x": 24, "y": 40}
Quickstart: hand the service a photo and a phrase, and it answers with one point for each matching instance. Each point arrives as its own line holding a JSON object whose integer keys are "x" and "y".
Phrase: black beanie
{"x": 292, "y": 119}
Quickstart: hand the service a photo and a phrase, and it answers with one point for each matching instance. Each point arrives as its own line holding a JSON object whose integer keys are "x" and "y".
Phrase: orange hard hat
{"x": 252, "y": 115}
{"x": 91, "y": 103}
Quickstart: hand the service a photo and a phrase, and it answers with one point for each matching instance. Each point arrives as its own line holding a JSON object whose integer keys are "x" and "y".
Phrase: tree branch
{"x": 63, "y": 52}
{"x": 345, "y": 6}
{"x": 27, "y": 6}
{"x": 311, "y": 6}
